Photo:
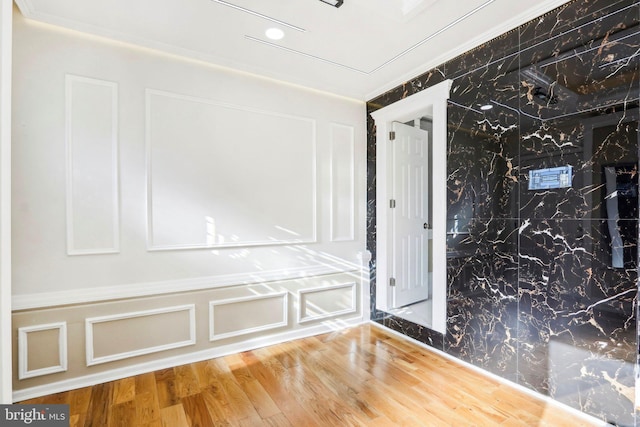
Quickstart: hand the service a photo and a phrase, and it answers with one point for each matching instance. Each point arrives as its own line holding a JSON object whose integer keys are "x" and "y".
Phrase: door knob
{"x": 426, "y": 226}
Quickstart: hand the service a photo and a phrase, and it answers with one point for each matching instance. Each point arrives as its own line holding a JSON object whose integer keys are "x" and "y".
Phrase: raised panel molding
{"x": 23, "y": 350}
{"x": 304, "y": 297}
{"x": 213, "y": 336}
{"x": 92, "y": 182}
{"x": 342, "y": 177}
{"x": 89, "y": 333}
{"x": 199, "y": 227}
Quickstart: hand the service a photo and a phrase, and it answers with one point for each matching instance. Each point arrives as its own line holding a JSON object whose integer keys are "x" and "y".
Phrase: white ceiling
{"x": 359, "y": 50}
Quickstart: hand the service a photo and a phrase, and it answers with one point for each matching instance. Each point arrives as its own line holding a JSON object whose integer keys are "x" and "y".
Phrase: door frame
{"x": 431, "y": 102}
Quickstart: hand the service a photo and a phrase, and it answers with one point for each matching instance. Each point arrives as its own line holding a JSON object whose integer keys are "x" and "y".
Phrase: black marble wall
{"x": 542, "y": 284}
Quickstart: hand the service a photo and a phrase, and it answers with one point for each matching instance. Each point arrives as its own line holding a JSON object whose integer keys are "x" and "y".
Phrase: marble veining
{"x": 542, "y": 284}
{"x": 577, "y": 316}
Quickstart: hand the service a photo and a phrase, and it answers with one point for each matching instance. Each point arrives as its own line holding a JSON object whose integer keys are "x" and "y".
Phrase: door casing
{"x": 431, "y": 102}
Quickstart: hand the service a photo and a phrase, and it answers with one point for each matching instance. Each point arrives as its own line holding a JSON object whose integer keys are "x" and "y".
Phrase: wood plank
{"x": 205, "y": 375}
{"x": 79, "y": 400}
{"x": 328, "y": 407}
{"x": 342, "y": 384}
{"x": 218, "y": 407}
{"x": 146, "y": 383}
{"x": 166, "y": 387}
{"x": 98, "y": 410}
{"x": 147, "y": 407}
{"x": 124, "y": 390}
{"x": 122, "y": 414}
{"x": 278, "y": 420}
{"x": 77, "y": 420}
{"x": 238, "y": 401}
{"x": 252, "y": 388}
{"x": 195, "y": 409}
{"x": 186, "y": 381}
{"x": 146, "y": 399}
{"x": 174, "y": 416}
{"x": 293, "y": 411}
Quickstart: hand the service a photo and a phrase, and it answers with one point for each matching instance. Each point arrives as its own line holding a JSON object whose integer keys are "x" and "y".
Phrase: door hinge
{"x": 392, "y": 281}
{"x": 392, "y": 136}
{"x": 392, "y": 203}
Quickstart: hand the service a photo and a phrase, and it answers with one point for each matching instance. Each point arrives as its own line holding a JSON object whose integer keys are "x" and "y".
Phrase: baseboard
{"x": 547, "y": 399}
{"x": 252, "y": 344}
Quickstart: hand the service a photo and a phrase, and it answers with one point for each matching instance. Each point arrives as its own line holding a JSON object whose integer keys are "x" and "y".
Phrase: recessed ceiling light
{"x": 486, "y": 107}
{"x": 274, "y": 33}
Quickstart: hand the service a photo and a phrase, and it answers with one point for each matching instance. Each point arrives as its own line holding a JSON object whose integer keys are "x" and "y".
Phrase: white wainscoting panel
{"x": 321, "y": 303}
{"x": 342, "y": 183}
{"x": 143, "y": 329}
{"x": 92, "y": 166}
{"x": 244, "y": 315}
{"x": 23, "y": 350}
{"x": 221, "y": 175}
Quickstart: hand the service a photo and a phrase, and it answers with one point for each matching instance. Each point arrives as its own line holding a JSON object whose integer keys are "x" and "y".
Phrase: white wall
{"x": 121, "y": 154}
{"x": 5, "y": 200}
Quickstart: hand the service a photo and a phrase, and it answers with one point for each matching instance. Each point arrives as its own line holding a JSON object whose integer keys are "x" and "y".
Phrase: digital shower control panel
{"x": 544, "y": 179}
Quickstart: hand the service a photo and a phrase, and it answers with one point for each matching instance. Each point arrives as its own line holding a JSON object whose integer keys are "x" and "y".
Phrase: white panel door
{"x": 410, "y": 228}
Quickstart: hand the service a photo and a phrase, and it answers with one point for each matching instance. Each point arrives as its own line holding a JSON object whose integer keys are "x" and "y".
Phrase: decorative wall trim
{"x": 302, "y": 295}
{"x": 152, "y": 246}
{"x": 23, "y": 350}
{"x": 220, "y": 351}
{"x": 134, "y": 290}
{"x": 89, "y": 322}
{"x": 213, "y": 304}
{"x": 337, "y": 157}
{"x": 72, "y": 248}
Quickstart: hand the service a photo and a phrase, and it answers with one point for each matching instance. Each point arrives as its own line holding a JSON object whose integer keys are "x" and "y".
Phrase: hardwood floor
{"x": 361, "y": 376}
